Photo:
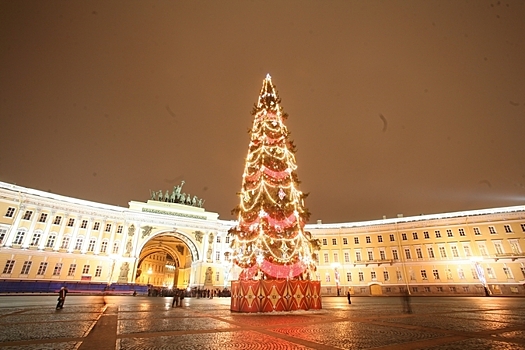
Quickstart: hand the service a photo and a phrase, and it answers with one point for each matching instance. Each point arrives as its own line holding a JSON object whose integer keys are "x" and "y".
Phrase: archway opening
{"x": 165, "y": 263}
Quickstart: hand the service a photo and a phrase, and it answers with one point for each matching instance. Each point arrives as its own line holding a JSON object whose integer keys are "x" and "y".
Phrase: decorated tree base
{"x": 275, "y": 295}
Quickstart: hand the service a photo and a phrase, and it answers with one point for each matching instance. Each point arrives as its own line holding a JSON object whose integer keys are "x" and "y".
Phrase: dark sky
{"x": 395, "y": 106}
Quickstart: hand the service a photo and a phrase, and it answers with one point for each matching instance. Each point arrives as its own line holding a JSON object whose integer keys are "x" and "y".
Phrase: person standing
{"x": 176, "y": 298}
{"x": 62, "y": 293}
{"x": 348, "y": 297}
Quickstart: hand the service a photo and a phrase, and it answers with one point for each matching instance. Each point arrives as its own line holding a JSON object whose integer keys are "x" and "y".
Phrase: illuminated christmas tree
{"x": 269, "y": 241}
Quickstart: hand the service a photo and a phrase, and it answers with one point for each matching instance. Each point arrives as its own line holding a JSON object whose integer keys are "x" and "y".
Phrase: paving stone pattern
{"x": 121, "y": 323}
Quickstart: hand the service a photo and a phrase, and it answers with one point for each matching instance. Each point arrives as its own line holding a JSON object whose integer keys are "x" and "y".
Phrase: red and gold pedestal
{"x": 275, "y": 295}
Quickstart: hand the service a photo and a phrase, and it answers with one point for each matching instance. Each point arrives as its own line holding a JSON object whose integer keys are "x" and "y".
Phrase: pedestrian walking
{"x": 407, "y": 308}
{"x": 348, "y": 297}
{"x": 62, "y": 293}
{"x": 176, "y": 298}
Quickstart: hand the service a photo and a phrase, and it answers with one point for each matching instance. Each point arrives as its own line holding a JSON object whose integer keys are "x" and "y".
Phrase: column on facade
{"x": 14, "y": 227}
{"x": 47, "y": 229}
{"x": 34, "y": 219}
{"x": 61, "y": 232}
{"x": 73, "y": 242}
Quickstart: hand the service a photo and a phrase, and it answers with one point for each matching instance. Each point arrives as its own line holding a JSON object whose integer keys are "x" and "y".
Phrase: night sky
{"x": 396, "y": 107}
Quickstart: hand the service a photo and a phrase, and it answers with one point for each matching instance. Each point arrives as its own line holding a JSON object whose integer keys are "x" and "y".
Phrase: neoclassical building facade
{"x": 49, "y": 237}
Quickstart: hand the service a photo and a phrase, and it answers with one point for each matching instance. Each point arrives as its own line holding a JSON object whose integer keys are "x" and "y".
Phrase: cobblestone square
{"x": 126, "y": 322}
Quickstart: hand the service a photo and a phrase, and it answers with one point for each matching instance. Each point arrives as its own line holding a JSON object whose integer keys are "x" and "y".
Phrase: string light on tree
{"x": 270, "y": 234}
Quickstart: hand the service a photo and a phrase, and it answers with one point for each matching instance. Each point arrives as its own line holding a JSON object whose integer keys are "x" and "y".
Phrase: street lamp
{"x": 481, "y": 275}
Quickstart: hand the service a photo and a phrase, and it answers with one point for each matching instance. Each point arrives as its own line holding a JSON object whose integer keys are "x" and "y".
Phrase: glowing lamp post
{"x": 481, "y": 275}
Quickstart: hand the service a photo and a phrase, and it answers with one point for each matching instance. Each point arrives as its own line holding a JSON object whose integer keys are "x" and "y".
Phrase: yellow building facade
{"x": 49, "y": 237}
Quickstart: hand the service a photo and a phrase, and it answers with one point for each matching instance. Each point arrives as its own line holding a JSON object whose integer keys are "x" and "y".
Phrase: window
{"x": 415, "y": 289}
{"x": 392, "y": 238}
{"x": 461, "y": 232}
{"x": 407, "y": 253}
{"x": 85, "y": 270}
{"x": 395, "y": 256}
{"x": 57, "y": 269}
{"x": 498, "y": 247}
{"x": 119, "y": 229}
{"x": 217, "y": 256}
{"x": 386, "y": 277}
{"x": 19, "y": 237}
{"x": 435, "y": 272}
{"x": 26, "y": 267}
{"x": 325, "y": 242}
{"x": 466, "y": 289}
{"x": 96, "y": 226}
{"x": 404, "y": 236}
{"x": 490, "y": 272}
{"x": 414, "y": 235}
{"x": 424, "y": 274}
{"x": 3, "y": 233}
{"x": 8, "y": 268}
{"x": 42, "y": 268}
{"x": 522, "y": 227}
{"x": 455, "y": 252}
{"x": 380, "y": 239}
{"x": 11, "y": 211}
{"x": 50, "y": 241}
{"x": 474, "y": 274}
{"x": 449, "y": 274}
{"x": 345, "y": 240}
{"x": 356, "y": 240}
{"x": 382, "y": 255}
{"x": 439, "y": 289}
{"x": 492, "y": 230}
{"x": 27, "y": 215}
{"x": 399, "y": 275}
{"x": 78, "y": 244}
{"x": 370, "y": 255}
{"x": 35, "y": 239}
{"x": 438, "y": 234}
{"x": 57, "y": 220}
{"x": 336, "y": 257}
{"x": 430, "y": 251}
{"x": 461, "y": 274}
{"x": 218, "y": 240}
{"x": 91, "y": 246}
{"x": 368, "y": 239}
{"x": 65, "y": 242}
{"x": 426, "y": 235}
{"x": 361, "y": 277}
{"x": 514, "y": 246}
{"x": 104, "y": 246}
{"x": 466, "y": 248}
{"x": 72, "y": 269}
{"x": 358, "y": 256}
{"x": 326, "y": 258}
{"x": 43, "y": 217}
{"x": 84, "y": 224}
{"x": 347, "y": 257}
{"x": 217, "y": 276}
{"x": 419, "y": 253}
{"x": 477, "y": 232}
{"x": 442, "y": 252}
{"x": 98, "y": 271}
{"x": 426, "y": 289}
{"x": 449, "y": 233}
{"x": 522, "y": 268}
{"x": 227, "y": 239}
{"x": 334, "y": 241}
{"x": 70, "y": 222}
{"x": 348, "y": 277}
{"x": 373, "y": 275}
{"x": 508, "y": 273}
{"x": 108, "y": 227}
{"x": 452, "y": 289}
{"x": 483, "y": 250}
{"x": 115, "y": 247}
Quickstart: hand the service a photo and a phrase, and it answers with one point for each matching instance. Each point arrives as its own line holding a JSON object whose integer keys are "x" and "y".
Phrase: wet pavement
{"x": 126, "y": 322}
